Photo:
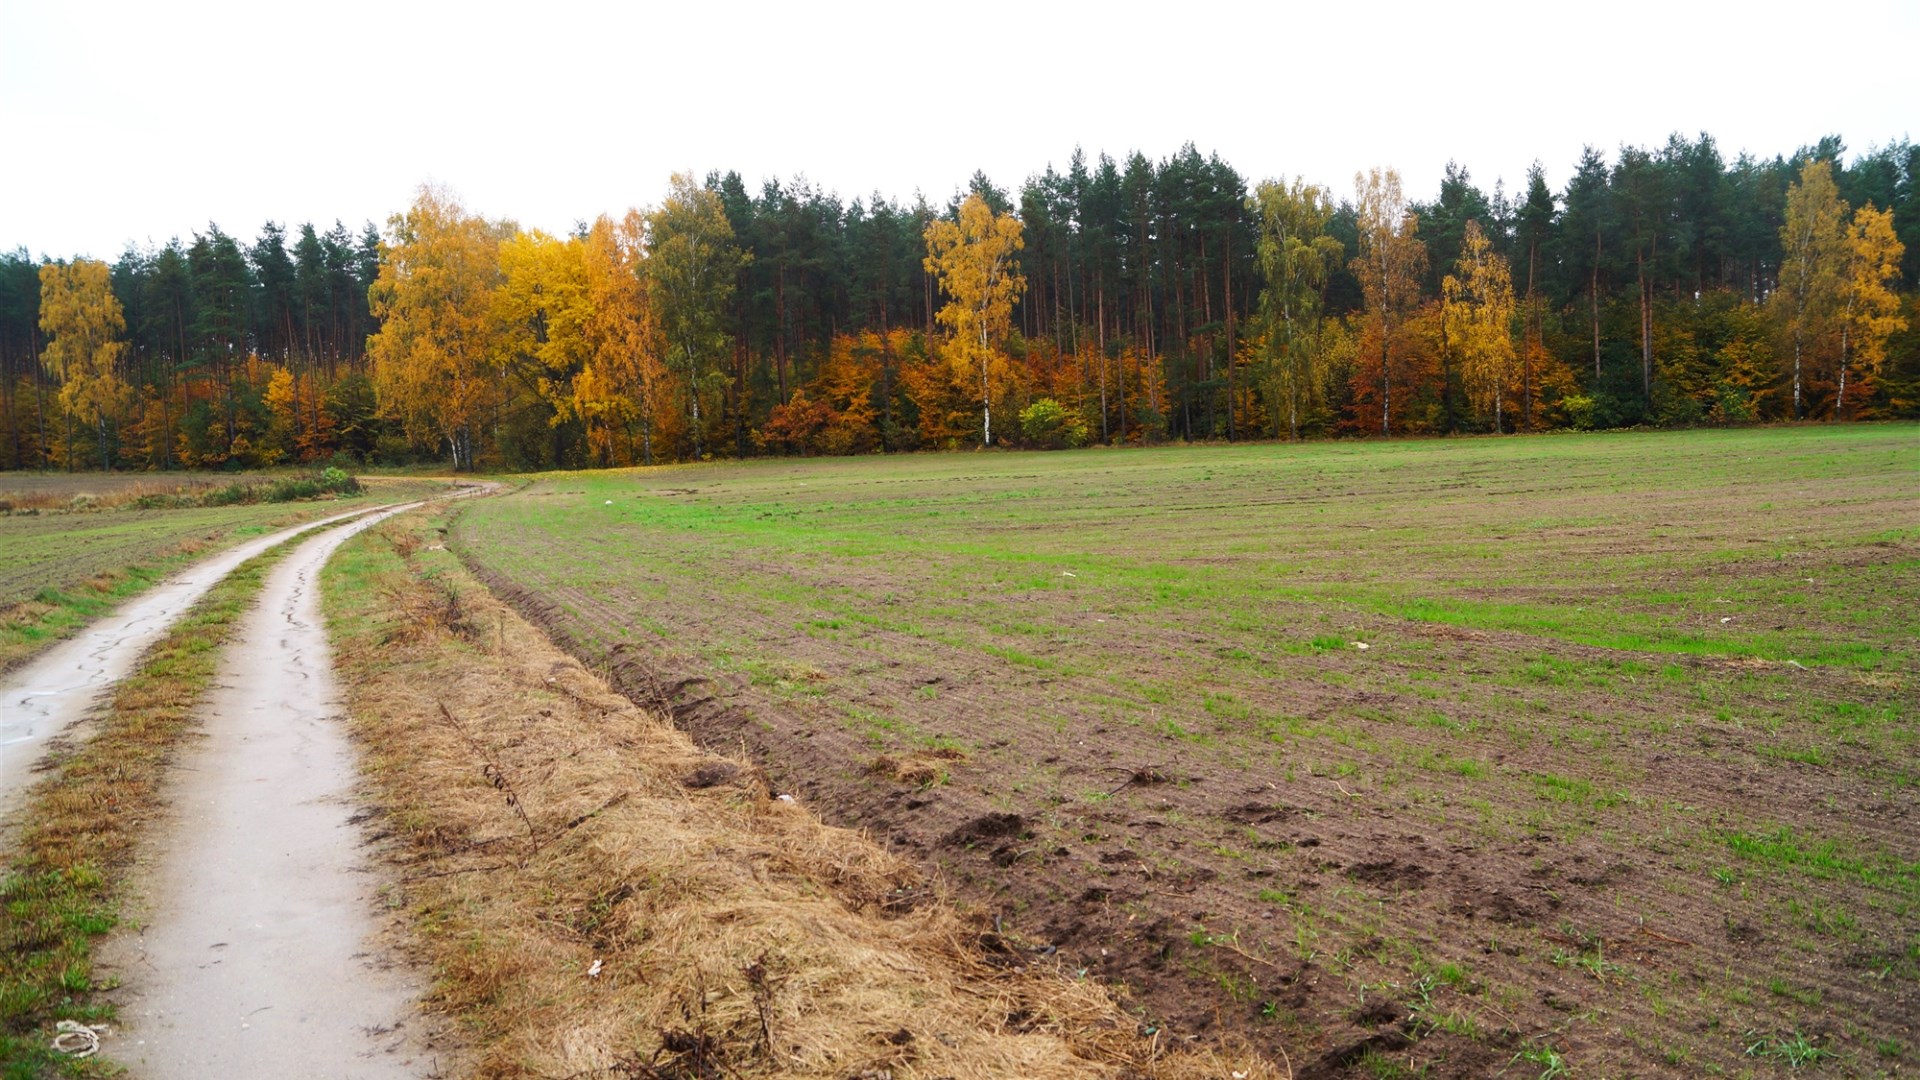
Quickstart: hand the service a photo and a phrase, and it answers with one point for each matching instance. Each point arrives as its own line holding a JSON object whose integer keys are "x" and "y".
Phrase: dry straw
{"x": 598, "y": 897}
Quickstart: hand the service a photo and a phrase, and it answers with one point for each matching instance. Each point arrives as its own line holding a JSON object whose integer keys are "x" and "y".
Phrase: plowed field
{"x": 1463, "y": 756}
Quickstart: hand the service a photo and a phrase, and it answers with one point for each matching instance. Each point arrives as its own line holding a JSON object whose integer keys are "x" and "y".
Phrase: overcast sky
{"x": 138, "y": 122}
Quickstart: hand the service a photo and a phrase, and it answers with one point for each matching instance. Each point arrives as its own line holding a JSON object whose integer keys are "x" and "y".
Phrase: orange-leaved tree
{"x": 540, "y": 310}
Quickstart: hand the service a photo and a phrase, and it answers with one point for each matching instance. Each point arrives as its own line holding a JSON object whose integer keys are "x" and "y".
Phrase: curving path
{"x": 255, "y": 956}
{"x": 46, "y": 696}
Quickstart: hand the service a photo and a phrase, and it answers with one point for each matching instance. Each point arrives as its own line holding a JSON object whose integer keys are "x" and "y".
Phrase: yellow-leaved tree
{"x": 431, "y": 358}
{"x": 973, "y": 258}
{"x": 83, "y": 323}
{"x": 1810, "y": 298}
{"x": 624, "y": 382}
{"x": 1476, "y": 317}
{"x": 540, "y": 310}
{"x": 1296, "y": 256}
{"x": 692, "y": 262}
{"x": 1389, "y": 266}
{"x": 1872, "y": 309}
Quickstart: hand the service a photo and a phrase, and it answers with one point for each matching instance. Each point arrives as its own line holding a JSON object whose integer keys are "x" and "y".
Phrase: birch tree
{"x": 432, "y": 356}
{"x": 1811, "y": 297}
{"x": 1476, "y": 305}
{"x": 1296, "y": 255}
{"x": 692, "y": 263}
{"x": 1871, "y": 310}
{"x": 624, "y": 379}
{"x": 83, "y": 323}
{"x": 1389, "y": 266}
{"x": 973, "y": 259}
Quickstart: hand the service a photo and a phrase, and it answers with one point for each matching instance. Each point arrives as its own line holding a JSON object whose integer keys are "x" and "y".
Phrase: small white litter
{"x": 594, "y": 971}
{"x": 1068, "y": 573}
{"x": 784, "y": 798}
{"x": 76, "y": 1039}
{"x": 1361, "y": 645}
{"x": 1725, "y": 619}
{"x": 609, "y": 502}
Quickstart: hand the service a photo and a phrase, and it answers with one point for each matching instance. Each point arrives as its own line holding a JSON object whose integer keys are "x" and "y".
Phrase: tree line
{"x": 1117, "y": 301}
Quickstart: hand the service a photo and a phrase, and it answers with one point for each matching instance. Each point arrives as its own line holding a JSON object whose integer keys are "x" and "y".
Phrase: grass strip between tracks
{"x": 61, "y": 889}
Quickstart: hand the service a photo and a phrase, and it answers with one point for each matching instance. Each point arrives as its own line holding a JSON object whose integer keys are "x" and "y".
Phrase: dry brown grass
{"x": 599, "y": 897}
{"x": 923, "y": 768}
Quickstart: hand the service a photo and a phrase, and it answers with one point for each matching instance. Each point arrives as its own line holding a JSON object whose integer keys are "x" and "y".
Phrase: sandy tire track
{"x": 48, "y": 695}
{"x": 256, "y": 955}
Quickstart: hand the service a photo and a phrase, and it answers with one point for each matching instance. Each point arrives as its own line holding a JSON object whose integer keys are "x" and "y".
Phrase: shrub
{"x": 1732, "y": 404}
{"x": 339, "y": 481}
{"x": 1047, "y": 423}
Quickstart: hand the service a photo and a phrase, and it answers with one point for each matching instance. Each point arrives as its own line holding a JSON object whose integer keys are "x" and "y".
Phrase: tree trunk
{"x": 1103, "y": 362}
{"x": 1226, "y": 277}
{"x": 1646, "y": 328}
{"x": 1796, "y": 373}
{"x": 1386, "y": 351}
{"x": 1840, "y": 399}
{"x": 1593, "y": 297}
{"x": 1533, "y": 328}
{"x": 886, "y": 383}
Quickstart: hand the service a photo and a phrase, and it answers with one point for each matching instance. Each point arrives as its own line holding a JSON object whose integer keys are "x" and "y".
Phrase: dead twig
{"x": 496, "y": 776}
{"x": 1658, "y": 936}
{"x": 451, "y": 873}
{"x": 595, "y": 812}
{"x": 1144, "y": 777}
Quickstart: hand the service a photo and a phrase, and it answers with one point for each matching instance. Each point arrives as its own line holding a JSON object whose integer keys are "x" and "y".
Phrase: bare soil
{"x": 598, "y": 897}
{"x": 1455, "y": 846}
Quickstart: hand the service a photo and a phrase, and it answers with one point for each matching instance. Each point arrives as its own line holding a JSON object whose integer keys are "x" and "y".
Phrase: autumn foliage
{"x": 1114, "y": 303}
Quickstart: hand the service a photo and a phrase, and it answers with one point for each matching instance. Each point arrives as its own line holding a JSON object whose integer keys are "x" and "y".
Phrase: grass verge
{"x": 56, "y": 612}
{"x": 61, "y": 570}
{"x": 61, "y": 889}
{"x": 598, "y": 897}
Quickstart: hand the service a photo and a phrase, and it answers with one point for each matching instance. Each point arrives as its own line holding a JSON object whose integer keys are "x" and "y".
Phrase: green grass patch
{"x": 1787, "y": 849}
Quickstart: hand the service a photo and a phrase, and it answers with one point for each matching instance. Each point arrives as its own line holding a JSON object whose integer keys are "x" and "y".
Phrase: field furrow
{"x": 1453, "y": 751}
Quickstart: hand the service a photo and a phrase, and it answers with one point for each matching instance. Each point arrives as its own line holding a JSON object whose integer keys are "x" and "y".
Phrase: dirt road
{"x": 47, "y": 696}
{"x": 256, "y": 957}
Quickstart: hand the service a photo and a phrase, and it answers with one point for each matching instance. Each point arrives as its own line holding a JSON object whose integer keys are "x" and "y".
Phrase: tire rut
{"x": 256, "y": 957}
{"x": 48, "y": 696}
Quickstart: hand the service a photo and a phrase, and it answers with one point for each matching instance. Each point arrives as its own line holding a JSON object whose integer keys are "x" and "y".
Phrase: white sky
{"x": 143, "y": 121}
